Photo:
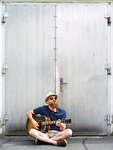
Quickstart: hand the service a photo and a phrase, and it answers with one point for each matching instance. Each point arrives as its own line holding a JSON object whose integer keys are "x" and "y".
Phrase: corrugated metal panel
{"x": 81, "y": 30}
{"x": 30, "y": 59}
{"x": 82, "y": 53}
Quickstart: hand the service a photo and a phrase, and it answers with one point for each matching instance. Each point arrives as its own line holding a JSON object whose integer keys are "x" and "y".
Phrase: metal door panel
{"x": 29, "y": 45}
{"x": 82, "y": 53}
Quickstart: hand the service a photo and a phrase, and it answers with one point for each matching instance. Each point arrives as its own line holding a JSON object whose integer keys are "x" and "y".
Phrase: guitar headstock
{"x": 67, "y": 121}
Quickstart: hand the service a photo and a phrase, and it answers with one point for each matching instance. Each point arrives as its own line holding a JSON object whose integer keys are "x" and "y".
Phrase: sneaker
{"x": 38, "y": 142}
{"x": 62, "y": 143}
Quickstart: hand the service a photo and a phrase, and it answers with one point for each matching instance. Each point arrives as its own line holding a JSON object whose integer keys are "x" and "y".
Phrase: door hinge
{"x": 4, "y": 68}
{"x": 108, "y": 119}
{"x": 108, "y": 20}
{"x": 4, "y": 17}
{"x": 108, "y": 68}
{"x": 4, "y": 119}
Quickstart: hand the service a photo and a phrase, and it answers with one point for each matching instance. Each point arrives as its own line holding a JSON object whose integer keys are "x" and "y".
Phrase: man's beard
{"x": 54, "y": 105}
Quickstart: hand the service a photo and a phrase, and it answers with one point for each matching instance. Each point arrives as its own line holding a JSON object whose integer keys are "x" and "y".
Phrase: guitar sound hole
{"x": 40, "y": 124}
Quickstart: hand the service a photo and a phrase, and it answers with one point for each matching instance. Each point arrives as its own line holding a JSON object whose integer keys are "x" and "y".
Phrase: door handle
{"x": 61, "y": 81}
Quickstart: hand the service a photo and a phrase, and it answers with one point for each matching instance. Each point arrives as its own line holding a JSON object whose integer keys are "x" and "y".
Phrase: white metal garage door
{"x": 48, "y": 43}
{"x": 30, "y": 59}
{"x": 82, "y": 54}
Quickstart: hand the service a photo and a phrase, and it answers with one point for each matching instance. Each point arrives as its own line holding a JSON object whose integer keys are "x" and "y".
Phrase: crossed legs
{"x": 43, "y": 137}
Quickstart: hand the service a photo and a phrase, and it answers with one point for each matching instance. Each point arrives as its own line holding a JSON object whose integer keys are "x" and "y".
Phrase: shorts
{"x": 51, "y": 133}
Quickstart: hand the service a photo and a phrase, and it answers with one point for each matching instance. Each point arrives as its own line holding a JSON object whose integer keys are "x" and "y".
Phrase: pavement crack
{"x": 84, "y": 144}
{"x": 6, "y": 141}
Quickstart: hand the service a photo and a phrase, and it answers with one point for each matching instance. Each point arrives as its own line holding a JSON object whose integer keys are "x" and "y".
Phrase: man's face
{"x": 52, "y": 102}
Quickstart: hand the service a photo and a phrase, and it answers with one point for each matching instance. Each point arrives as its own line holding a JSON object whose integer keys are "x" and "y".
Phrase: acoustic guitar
{"x": 44, "y": 123}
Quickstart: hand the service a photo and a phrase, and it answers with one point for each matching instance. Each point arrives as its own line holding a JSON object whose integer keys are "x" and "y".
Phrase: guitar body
{"x": 39, "y": 119}
{"x": 44, "y": 123}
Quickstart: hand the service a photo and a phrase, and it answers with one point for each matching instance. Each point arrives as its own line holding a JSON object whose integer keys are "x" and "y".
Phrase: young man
{"x": 58, "y": 133}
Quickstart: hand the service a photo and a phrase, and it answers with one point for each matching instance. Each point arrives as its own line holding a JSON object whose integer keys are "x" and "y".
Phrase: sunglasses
{"x": 51, "y": 98}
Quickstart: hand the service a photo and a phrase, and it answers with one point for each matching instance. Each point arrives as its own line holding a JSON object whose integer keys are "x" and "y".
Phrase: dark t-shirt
{"x": 44, "y": 110}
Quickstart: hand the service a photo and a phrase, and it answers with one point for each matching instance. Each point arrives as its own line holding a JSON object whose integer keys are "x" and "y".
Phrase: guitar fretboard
{"x": 51, "y": 122}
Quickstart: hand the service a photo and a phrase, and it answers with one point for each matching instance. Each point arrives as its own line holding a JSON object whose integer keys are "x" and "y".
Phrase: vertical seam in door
{"x": 55, "y": 44}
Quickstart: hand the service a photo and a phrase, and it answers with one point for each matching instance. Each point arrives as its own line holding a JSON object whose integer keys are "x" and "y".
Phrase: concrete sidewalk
{"x": 74, "y": 143}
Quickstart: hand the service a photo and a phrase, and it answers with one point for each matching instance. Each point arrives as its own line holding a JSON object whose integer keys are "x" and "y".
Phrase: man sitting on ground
{"x": 58, "y": 133}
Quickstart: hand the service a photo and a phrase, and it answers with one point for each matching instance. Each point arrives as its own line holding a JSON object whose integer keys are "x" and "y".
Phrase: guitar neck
{"x": 51, "y": 122}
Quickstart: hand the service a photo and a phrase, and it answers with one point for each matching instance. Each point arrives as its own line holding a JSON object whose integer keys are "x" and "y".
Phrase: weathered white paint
{"x": 2, "y": 53}
{"x": 30, "y": 59}
{"x": 111, "y": 94}
{"x": 56, "y": 1}
{"x": 82, "y": 54}
{"x": 2, "y": 102}
{"x": 0, "y": 68}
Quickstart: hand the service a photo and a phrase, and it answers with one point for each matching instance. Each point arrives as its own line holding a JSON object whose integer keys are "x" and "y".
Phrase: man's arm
{"x": 29, "y": 115}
